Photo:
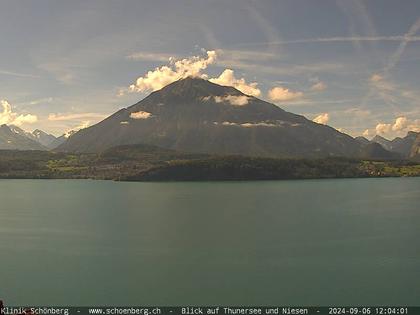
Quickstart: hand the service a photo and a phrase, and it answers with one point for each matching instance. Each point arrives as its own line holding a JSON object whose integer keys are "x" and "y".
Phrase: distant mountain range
{"x": 197, "y": 116}
{"x": 15, "y": 138}
{"x": 405, "y": 147}
{"x": 43, "y": 138}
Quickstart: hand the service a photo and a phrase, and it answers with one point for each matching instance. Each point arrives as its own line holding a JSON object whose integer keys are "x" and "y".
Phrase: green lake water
{"x": 303, "y": 242}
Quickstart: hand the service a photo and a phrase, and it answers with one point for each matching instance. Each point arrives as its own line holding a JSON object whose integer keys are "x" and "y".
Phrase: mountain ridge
{"x": 15, "y": 138}
{"x": 198, "y": 116}
{"x": 195, "y": 115}
{"x": 402, "y": 146}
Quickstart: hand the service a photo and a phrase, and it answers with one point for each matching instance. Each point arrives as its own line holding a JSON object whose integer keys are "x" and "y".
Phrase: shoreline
{"x": 233, "y": 180}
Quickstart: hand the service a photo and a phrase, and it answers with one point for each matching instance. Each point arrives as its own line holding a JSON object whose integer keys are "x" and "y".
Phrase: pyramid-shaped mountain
{"x": 195, "y": 115}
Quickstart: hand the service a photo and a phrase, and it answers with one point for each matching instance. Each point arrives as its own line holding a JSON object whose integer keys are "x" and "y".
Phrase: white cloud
{"x": 259, "y": 124}
{"x": 141, "y": 115}
{"x": 25, "y": 119}
{"x": 400, "y": 124}
{"x": 228, "y": 123}
{"x": 366, "y": 133}
{"x": 227, "y": 77}
{"x": 7, "y": 116}
{"x": 279, "y": 93}
{"x": 177, "y": 69}
{"x": 248, "y": 124}
{"x": 319, "y": 86}
{"x": 400, "y": 127}
{"x": 235, "y": 100}
{"x": 83, "y": 125}
{"x": 382, "y": 129}
{"x": 72, "y": 131}
{"x": 322, "y": 118}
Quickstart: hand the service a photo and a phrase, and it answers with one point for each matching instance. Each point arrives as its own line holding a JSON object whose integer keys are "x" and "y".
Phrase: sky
{"x": 351, "y": 64}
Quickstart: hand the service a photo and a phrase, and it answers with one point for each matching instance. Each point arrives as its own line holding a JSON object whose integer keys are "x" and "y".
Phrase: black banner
{"x": 211, "y": 310}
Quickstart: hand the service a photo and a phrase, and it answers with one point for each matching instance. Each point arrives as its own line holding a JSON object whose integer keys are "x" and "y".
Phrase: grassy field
{"x": 142, "y": 162}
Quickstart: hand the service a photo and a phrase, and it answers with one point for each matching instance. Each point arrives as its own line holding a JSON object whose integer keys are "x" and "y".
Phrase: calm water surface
{"x": 315, "y": 242}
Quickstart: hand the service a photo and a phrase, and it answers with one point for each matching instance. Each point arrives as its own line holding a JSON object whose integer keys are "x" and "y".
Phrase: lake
{"x": 302, "y": 242}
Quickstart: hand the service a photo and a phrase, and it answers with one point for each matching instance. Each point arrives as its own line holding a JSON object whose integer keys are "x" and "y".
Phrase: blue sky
{"x": 352, "y": 64}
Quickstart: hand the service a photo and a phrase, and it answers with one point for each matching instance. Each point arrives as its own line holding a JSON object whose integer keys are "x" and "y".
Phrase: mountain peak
{"x": 14, "y": 138}
{"x": 379, "y": 138}
{"x": 412, "y": 134}
{"x": 196, "y": 115}
{"x": 362, "y": 140}
{"x": 197, "y": 87}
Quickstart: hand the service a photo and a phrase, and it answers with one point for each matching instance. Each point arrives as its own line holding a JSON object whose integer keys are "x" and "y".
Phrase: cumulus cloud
{"x": 322, "y": 118}
{"x": 175, "y": 70}
{"x": 319, "y": 86}
{"x": 140, "y": 115}
{"x": 181, "y": 68}
{"x": 279, "y": 93}
{"x": 382, "y": 129}
{"x": 227, "y": 77}
{"x": 366, "y": 133}
{"x": 400, "y": 124}
{"x": 234, "y": 100}
{"x": 7, "y": 116}
{"x": 400, "y": 127}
